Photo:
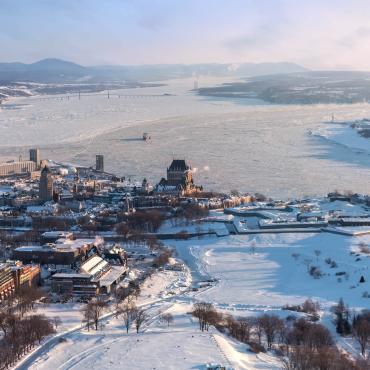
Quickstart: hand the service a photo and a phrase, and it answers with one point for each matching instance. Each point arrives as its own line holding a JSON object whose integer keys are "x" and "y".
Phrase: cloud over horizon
{"x": 318, "y": 34}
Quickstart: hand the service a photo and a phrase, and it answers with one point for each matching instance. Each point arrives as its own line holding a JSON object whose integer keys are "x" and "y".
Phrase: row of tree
{"x": 16, "y": 239}
{"x": 21, "y": 302}
{"x": 151, "y": 220}
{"x": 300, "y": 343}
{"x": 126, "y": 310}
{"x": 21, "y": 335}
{"x": 21, "y": 330}
{"x": 143, "y": 221}
{"x": 351, "y": 323}
{"x": 131, "y": 314}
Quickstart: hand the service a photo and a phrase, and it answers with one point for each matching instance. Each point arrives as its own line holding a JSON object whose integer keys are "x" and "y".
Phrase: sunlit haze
{"x": 318, "y": 34}
{"x": 184, "y": 184}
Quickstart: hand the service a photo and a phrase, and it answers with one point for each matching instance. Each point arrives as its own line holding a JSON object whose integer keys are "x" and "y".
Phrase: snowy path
{"x": 181, "y": 343}
{"x": 246, "y": 284}
{"x": 146, "y": 301}
{"x": 81, "y": 348}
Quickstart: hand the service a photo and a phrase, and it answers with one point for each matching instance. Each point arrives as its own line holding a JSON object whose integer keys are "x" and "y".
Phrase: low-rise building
{"x": 14, "y": 275}
{"x": 25, "y": 275}
{"x": 76, "y": 284}
{"x": 95, "y": 276}
{"x": 53, "y": 236}
{"x": 63, "y": 252}
{"x": 7, "y": 283}
{"x": 95, "y": 266}
{"x": 17, "y": 168}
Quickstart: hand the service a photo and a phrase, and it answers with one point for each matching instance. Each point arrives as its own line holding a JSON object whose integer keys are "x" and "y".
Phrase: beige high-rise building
{"x": 46, "y": 185}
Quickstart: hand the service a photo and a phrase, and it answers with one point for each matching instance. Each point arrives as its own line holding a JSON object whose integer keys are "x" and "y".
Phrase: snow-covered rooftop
{"x": 94, "y": 265}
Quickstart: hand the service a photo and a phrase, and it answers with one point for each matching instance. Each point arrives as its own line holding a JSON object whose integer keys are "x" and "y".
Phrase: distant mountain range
{"x": 277, "y": 83}
{"x": 60, "y": 71}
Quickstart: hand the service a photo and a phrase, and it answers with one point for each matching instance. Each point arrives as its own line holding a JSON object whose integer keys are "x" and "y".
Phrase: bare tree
{"x": 253, "y": 247}
{"x": 310, "y": 335}
{"x": 162, "y": 259}
{"x": 194, "y": 211}
{"x": 240, "y": 328}
{"x": 93, "y": 311}
{"x": 122, "y": 229}
{"x": 258, "y": 329}
{"x": 342, "y": 314}
{"x": 361, "y": 332}
{"x": 317, "y": 254}
{"x": 120, "y": 295}
{"x": 296, "y": 256}
{"x": 271, "y": 324}
{"x": 26, "y": 298}
{"x": 128, "y": 313}
{"x": 87, "y": 316}
{"x": 21, "y": 337}
{"x": 134, "y": 288}
{"x": 297, "y": 358}
{"x": 167, "y": 318}
{"x": 363, "y": 364}
{"x": 310, "y": 307}
{"x": 232, "y": 325}
{"x": 245, "y": 328}
{"x": 325, "y": 358}
{"x": 7, "y": 321}
{"x": 56, "y": 322}
{"x": 307, "y": 262}
{"x": 40, "y": 326}
{"x": 205, "y": 313}
{"x": 140, "y": 317}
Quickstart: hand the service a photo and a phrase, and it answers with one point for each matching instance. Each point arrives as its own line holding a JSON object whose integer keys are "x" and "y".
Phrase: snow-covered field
{"x": 270, "y": 276}
{"x": 158, "y": 346}
{"x": 179, "y": 346}
{"x": 253, "y": 148}
{"x": 343, "y": 134}
{"x": 258, "y": 148}
{"x": 253, "y": 274}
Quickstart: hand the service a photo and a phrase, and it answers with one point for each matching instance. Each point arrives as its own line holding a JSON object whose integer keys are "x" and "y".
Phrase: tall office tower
{"x": 99, "y": 162}
{"x": 46, "y": 185}
{"x": 35, "y": 156}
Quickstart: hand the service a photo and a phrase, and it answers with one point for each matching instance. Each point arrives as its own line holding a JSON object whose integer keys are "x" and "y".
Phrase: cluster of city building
{"x": 66, "y": 226}
{"x": 45, "y": 197}
{"x": 62, "y": 183}
{"x": 69, "y": 266}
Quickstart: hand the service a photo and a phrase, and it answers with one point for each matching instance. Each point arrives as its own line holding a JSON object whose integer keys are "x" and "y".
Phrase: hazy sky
{"x": 319, "y": 34}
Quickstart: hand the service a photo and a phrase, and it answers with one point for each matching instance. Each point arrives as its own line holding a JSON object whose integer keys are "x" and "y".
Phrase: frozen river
{"x": 248, "y": 147}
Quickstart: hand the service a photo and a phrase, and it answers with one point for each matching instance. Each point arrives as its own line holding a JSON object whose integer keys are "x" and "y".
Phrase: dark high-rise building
{"x": 46, "y": 185}
{"x": 99, "y": 162}
{"x": 35, "y": 156}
